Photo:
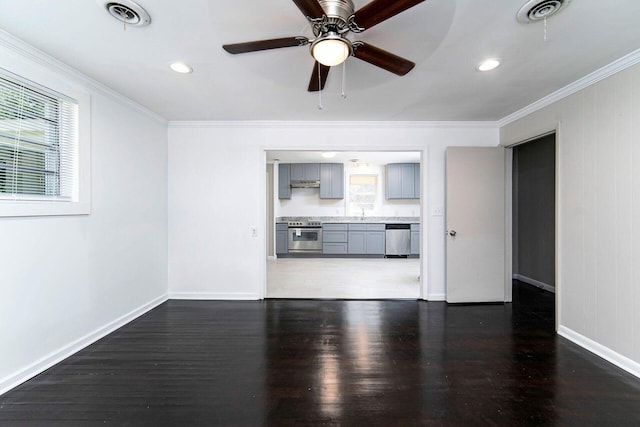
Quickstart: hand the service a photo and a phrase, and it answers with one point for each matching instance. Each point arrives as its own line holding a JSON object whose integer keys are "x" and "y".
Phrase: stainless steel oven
{"x": 305, "y": 236}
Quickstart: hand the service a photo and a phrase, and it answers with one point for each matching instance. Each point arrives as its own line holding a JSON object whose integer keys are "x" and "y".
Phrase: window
{"x": 45, "y": 141}
{"x": 38, "y": 142}
{"x": 362, "y": 193}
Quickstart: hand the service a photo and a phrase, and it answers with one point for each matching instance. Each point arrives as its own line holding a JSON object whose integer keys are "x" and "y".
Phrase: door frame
{"x": 424, "y": 205}
{"x": 509, "y": 219}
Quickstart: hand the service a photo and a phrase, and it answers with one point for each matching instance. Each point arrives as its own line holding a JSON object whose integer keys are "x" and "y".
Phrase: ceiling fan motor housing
{"x": 338, "y": 8}
{"x": 337, "y": 13}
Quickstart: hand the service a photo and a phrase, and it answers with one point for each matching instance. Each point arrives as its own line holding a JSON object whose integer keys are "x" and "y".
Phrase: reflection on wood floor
{"x": 332, "y": 363}
{"x": 339, "y": 278}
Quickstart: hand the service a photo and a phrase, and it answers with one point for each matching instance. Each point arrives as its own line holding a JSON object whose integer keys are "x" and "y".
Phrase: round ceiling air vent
{"x": 127, "y": 11}
{"x": 538, "y": 10}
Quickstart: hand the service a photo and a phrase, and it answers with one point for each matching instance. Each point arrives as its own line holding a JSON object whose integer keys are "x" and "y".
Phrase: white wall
{"x": 67, "y": 280}
{"x": 307, "y": 201}
{"x": 216, "y": 194}
{"x": 598, "y": 281}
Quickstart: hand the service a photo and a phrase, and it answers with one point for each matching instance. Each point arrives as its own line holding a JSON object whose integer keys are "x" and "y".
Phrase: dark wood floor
{"x": 355, "y": 363}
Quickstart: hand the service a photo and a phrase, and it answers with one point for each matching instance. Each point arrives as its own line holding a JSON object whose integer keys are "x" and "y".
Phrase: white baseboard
{"x": 535, "y": 283}
{"x": 57, "y": 356}
{"x": 221, "y": 296}
{"x": 436, "y": 297}
{"x": 606, "y": 353}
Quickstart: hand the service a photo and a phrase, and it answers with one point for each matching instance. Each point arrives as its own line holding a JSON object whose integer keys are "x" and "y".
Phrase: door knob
{"x": 452, "y": 233}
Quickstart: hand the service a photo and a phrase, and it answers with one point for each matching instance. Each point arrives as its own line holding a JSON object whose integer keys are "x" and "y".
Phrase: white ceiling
{"x": 446, "y": 39}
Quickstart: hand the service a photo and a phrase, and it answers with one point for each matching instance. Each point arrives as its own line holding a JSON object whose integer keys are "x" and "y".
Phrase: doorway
{"x": 534, "y": 219}
{"x": 363, "y": 201}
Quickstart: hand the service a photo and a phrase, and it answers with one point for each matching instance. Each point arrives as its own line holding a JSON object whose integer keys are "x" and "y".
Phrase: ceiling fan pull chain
{"x": 344, "y": 80}
{"x": 545, "y": 28}
{"x": 320, "y": 107}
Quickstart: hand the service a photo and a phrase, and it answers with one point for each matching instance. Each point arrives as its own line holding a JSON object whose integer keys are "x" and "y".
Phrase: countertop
{"x": 352, "y": 219}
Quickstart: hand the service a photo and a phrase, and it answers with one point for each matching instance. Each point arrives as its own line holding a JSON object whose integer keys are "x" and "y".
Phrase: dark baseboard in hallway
{"x": 303, "y": 362}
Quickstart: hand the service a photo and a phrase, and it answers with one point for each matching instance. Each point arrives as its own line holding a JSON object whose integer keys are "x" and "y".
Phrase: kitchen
{"x": 343, "y": 224}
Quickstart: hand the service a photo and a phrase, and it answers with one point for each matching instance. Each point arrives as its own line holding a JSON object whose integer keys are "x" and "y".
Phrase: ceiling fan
{"x": 331, "y": 21}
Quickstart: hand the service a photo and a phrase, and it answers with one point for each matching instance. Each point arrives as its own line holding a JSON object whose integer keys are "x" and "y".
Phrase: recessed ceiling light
{"x": 489, "y": 64}
{"x": 329, "y": 155}
{"x": 181, "y": 67}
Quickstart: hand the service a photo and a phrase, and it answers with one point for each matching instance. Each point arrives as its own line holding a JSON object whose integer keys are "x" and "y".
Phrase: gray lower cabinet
{"x": 334, "y": 239}
{"x": 403, "y": 181}
{"x": 284, "y": 181}
{"x": 282, "y": 238}
{"x": 415, "y": 239}
{"x": 375, "y": 242}
{"x": 366, "y": 239}
{"x": 331, "y": 181}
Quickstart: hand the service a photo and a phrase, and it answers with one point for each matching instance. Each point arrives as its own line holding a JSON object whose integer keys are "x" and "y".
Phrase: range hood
{"x": 304, "y": 184}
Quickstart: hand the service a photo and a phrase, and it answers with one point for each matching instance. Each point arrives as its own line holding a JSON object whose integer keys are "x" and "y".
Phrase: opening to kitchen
{"x": 343, "y": 224}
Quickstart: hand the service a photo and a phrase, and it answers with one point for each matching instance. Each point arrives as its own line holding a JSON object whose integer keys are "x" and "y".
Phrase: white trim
{"x": 215, "y": 296}
{"x": 508, "y": 229}
{"x": 436, "y": 297}
{"x": 58, "y": 356}
{"x": 606, "y": 353}
{"x": 16, "y": 45}
{"x": 558, "y": 228}
{"x": 335, "y": 124}
{"x": 608, "y": 70}
{"x": 534, "y": 282}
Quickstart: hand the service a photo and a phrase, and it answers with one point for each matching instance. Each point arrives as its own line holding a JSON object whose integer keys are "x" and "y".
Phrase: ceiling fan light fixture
{"x": 488, "y": 64}
{"x": 331, "y": 50}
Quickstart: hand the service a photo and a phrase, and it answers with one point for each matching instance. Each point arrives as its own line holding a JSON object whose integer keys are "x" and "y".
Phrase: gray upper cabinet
{"x": 416, "y": 180}
{"x": 284, "y": 181}
{"x": 330, "y": 175}
{"x": 305, "y": 171}
{"x": 331, "y": 181}
{"x": 403, "y": 181}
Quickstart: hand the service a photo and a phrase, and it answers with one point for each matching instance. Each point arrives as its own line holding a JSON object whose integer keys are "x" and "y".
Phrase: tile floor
{"x": 348, "y": 278}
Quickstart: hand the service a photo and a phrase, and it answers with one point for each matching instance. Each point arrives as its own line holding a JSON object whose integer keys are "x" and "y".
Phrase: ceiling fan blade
{"x": 318, "y": 77}
{"x": 383, "y": 59}
{"x": 377, "y": 11}
{"x": 310, "y": 8}
{"x": 265, "y": 44}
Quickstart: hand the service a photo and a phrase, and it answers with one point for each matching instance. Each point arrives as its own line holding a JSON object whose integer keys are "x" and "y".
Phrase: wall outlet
{"x": 438, "y": 211}
{"x": 254, "y": 232}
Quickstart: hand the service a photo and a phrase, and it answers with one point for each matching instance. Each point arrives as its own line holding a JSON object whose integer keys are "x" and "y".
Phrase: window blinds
{"x": 38, "y": 141}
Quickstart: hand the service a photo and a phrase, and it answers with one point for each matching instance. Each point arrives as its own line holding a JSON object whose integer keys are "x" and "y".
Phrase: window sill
{"x": 40, "y": 208}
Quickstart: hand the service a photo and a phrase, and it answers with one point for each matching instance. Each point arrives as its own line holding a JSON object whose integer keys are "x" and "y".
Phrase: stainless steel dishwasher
{"x": 397, "y": 239}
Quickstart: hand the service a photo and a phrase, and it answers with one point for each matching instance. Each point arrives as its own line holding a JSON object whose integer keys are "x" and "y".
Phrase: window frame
{"x": 29, "y": 72}
{"x": 376, "y": 184}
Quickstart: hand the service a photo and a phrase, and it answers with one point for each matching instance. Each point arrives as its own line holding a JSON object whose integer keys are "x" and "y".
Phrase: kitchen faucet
{"x": 362, "y": 218}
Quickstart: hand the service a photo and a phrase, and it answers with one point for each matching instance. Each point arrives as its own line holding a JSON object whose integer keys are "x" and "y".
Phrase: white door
{"x": 475, "y": 224}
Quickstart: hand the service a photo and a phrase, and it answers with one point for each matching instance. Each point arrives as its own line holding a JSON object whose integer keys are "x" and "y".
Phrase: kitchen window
{"x": 39, "y": 150}
{"x": 363, "y": 191}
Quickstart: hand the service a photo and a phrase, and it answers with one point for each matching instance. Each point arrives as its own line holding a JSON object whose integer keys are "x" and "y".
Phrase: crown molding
{"x": 24, "y": 49}
{"x": 332, "y": 124}
{"x": 616, "y": 66}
